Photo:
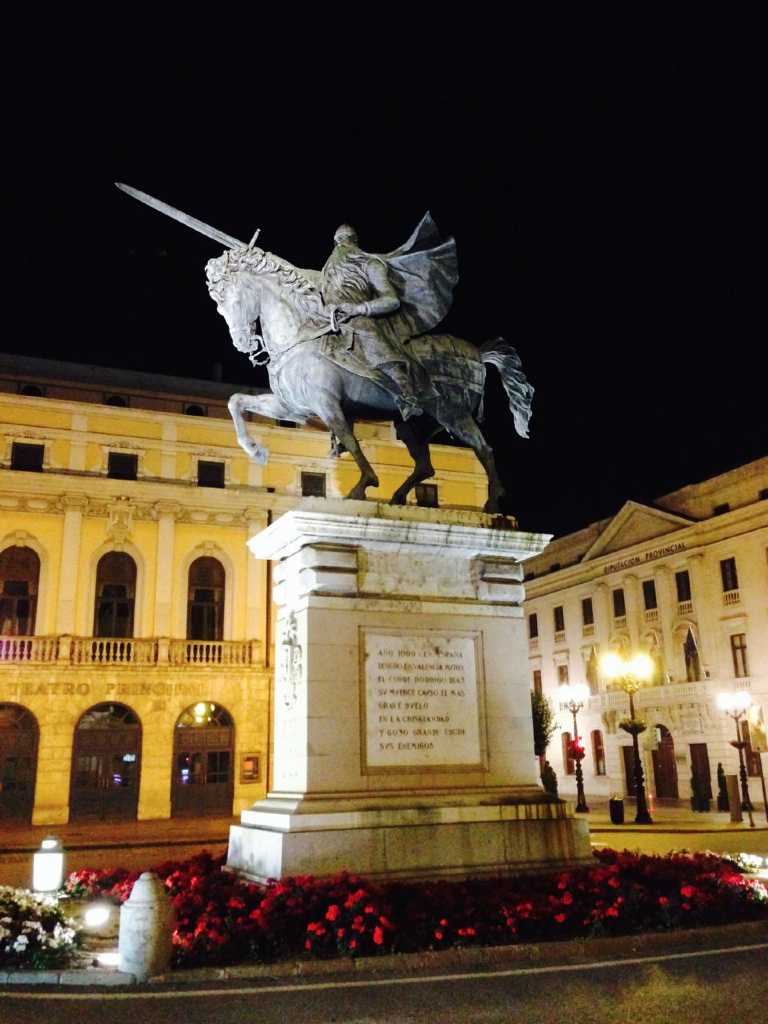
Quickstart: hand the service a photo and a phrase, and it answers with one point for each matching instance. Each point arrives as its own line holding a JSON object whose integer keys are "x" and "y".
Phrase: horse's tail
{"x": 503, "y": 356}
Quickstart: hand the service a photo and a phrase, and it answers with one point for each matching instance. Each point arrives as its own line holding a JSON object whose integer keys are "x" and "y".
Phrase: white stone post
{"x": 145, "y": 941}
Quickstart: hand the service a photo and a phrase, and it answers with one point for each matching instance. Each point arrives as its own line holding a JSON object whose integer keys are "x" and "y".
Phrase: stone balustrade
{"x": 130, "y": 651}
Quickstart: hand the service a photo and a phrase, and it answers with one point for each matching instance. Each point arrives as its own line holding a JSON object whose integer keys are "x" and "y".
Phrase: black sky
{"x": 605, "y": 209}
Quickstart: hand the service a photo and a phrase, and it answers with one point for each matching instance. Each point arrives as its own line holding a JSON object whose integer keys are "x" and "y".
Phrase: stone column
{"x": 256, "y": 626}
{"x": 633, "y": 604}
{"x": 165, "y": 513}
{"x": 74, "y": 506}
{"x": 603, "y": 616}
{"x": 666, "y": 599}
{"x": 702, "y": 605}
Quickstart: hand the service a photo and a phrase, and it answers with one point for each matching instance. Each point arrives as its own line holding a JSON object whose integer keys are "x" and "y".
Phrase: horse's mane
{"x": 304, "y": 292}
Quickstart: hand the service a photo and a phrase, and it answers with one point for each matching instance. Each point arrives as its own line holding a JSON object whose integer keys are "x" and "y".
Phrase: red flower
{"x": 567, "y": 899}
{"x": 663, "y": 901}
{"x": 559, "y": 918}
{"x": 378, "y": 935}
{"x": 687, "y": 890}
{"x": 332, "y": 913}
{"x": 438, "y": 935}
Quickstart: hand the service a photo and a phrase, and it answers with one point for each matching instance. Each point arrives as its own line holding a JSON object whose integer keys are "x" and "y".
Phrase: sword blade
{"x": 228, "y": 241}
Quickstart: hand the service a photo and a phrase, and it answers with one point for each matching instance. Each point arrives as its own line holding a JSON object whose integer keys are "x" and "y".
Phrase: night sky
{"x": 604, "y": 212}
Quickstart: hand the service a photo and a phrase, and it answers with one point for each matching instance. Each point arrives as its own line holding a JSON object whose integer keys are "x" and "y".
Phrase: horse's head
{"x": 237, "y": 299}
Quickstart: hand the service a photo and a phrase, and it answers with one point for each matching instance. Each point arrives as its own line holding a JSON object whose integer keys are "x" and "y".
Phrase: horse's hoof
{"x": 358, "y": 491}
{"x": 397, "y": 499}
{"x": 492, "y": 507}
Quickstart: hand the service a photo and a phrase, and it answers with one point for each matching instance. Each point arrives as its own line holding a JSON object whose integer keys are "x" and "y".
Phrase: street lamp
{"x": 735, "y": 705}
{"x": 574, "y": 697}
{"x": 630, "y": 674}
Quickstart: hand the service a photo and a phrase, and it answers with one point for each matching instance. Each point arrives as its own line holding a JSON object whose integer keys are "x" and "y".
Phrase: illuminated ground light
{"x": 108, "y": 959}
{"x": 97, "y": 915}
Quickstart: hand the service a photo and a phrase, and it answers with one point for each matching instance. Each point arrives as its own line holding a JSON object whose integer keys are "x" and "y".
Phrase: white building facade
{"x": 685, "y": 580}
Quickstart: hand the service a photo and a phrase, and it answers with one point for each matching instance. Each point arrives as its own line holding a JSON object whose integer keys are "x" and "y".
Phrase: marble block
{"x": 403, "y": 744}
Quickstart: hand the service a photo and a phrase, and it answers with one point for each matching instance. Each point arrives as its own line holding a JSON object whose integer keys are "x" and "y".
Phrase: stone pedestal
{"x": 403, "y": 744}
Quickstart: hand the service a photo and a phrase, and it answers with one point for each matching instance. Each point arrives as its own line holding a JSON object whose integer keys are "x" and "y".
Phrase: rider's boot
{"x": 407, "y": 402}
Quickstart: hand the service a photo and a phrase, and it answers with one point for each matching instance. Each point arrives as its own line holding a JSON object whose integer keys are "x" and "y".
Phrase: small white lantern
{"x": 48, "y": 866}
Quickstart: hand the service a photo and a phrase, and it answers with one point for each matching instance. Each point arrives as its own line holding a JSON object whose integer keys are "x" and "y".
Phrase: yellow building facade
{"x": 135, "y": 628}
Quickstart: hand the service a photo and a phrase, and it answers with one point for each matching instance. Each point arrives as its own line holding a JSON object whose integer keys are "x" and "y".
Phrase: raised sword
{"x": 228, "y": 241}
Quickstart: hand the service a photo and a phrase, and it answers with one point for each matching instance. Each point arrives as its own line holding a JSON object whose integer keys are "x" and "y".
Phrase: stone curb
{"x": 439, "y": 961}
{"x": 573, "y": 951}
{"x": 88, "y": 977}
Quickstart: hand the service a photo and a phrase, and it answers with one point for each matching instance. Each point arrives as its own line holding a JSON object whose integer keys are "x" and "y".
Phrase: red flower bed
{"x": 222, "y": 919}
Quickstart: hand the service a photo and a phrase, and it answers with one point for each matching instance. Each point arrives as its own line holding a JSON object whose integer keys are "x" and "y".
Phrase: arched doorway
{"x": 115, "y": 595}
{"x": 664, "y": 767}
{"x": 19, "y": 578}
{"x": 106, "y": 763}
{"x": 203, "y": 761}
{"x": 18, "y": 762}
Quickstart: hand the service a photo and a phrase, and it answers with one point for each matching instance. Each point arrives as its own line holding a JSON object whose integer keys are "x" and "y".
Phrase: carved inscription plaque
{"x": 421, "y": 702}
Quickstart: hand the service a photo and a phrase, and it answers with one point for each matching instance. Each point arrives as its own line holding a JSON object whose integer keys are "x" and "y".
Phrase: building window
{"x": 205, "y": 606}
{"x": 569, "y": 765}
{"x": 649, "y": 595}
{"x": 683, "y": 584}
{"x": 194, "y": 409}
{"x": 19, "y": 576}
{"x": 598, "y": 752}
{"x": 537, "y": 687}
{"x": 31, "y": 391}
{"x": 121, "y": 466}
{"x": 210, "y": 474}
{"x": 587, "y": 612}
{"x": 115, "y": 595}
{"x": 739, "y": 653}
{"x": 720, "y": 510}
{"x": 426, "y": 495}
{"x": 27, "y": 457}
{"x": 562, "y": 674}
{"x": 533, "y": 626}
{"x": 751, "y": 757}
{"x": 120, "y": 401}
{"x": 692, "y": 661}
{"x": 729, "y": 575}
{"x": 313, "y": 485}
{"x": 619, "y": 607}
{"x": 559, "y": 617}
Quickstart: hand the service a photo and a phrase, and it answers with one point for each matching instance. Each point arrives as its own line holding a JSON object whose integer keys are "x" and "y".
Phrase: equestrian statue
{"x": 352, "y": 341}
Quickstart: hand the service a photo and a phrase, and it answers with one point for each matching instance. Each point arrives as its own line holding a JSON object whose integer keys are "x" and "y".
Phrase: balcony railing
{"x": 588, "y": 629}
{"x": 705, "y": 690}
{"x": 131, "y": 651}
{"x": 731, "y": 597}
{"x": 34, "y": 649}
{"x": 620, "y": 621}
{"x": 211, "y": 652}
{"x": 560, "y": 636}
{"x": 651, "y": 615}
{"x": 684, "y": 607}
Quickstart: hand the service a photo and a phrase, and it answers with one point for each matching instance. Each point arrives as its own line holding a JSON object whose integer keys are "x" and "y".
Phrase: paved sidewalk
{"x": 673, "y": 816}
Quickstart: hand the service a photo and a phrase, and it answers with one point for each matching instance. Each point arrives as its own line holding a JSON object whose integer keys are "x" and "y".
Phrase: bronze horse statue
{"x": 310, "y": 378}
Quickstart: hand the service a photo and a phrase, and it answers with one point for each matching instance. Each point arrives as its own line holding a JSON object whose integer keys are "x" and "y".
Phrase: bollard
{"x": 734, "y": 797}
{"x": 146, "y": 929}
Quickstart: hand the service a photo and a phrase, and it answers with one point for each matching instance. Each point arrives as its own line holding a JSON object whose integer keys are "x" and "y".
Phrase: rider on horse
{"x": 356, "y": 288}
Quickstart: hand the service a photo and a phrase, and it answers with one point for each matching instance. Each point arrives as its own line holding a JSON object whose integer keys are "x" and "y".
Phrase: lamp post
{"x": 573, "y": 698}
{"x": 630, "y": 674}
{"x": 735, "y": 705}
